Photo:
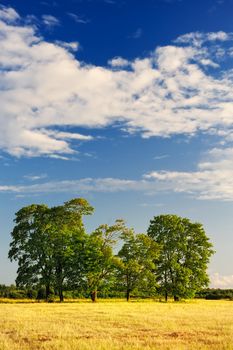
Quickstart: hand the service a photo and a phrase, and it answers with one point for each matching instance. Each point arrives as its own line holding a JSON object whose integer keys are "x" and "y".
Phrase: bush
{"x": 18, "y": 294}
{"x": 215, "y": 294}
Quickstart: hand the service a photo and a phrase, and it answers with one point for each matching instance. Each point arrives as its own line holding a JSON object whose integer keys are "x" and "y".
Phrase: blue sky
{"x": 126, "y": 103}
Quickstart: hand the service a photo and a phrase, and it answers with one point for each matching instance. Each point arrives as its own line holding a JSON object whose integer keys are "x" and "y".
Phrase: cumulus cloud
{"x": 44, "y": 89}
{"x": 72, "y": 46}
{"x": 221, "y": 281}
{"x": 199, "y": 38}
{"x": 118, "y": 62}
{"x": 8, "y": 14}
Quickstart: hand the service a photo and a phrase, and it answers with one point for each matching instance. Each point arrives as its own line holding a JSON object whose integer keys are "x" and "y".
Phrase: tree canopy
{"x": 136, "y": 270}
{"x": 55, "y": 253}
{"x": 100, "y": 260}
{"x": 185, "y": 251}
{"x": 44, "y": 241}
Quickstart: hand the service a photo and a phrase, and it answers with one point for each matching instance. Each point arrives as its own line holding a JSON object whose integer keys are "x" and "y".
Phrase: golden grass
{"x": 117, "y": 326}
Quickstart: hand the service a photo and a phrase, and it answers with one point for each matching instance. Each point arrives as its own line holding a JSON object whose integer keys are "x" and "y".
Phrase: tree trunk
{"x": 166, "y": 294}
{"x": 176, "y": 298}
{"x": 59, "y": 279}
{"x": 47, "y": 292}
{"x": 94, "y": 296}
{"x": 128, "y": 294}
{"x": 61, "y": 295}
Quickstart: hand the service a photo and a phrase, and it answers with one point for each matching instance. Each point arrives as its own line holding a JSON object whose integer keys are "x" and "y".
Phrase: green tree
{"x": 185, "y": 251}
{"x": 100, "y": 261}
{"x": 67, "y": 234}
{"x": 136, "y": 270}
{"x": 31, "y": 247}
{"x": 44, "y": 242}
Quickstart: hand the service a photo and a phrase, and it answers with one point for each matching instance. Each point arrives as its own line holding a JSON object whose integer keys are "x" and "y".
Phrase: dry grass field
{"x": 117, "y": 325}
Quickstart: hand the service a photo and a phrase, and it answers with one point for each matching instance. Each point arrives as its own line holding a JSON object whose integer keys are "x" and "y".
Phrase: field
{"x": 117, "y": 325}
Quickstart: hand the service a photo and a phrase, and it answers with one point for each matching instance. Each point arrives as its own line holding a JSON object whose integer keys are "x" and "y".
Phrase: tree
{"x": 185, "y": 251}
{"x": 31, "y": 247}
{"x": 44, "y": 241}
{"x": 99, "y": 259}
{"x": 137, "y": 267}
{"x": 67, "y": 235}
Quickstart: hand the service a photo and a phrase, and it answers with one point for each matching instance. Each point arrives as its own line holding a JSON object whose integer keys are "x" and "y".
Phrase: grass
{"x": 117, "y": 326}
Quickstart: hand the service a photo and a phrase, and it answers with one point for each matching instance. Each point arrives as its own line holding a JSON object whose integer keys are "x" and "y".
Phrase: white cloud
{"x": 219, "y": 281}
{"x": 118, "y": 62}
{"x": 77, "y": 18}
{"x": 68, "y": 135}
{"x": 44, "y": 89}
{"x": 75, "y": 186}
{"x": 35, "y": 177}
{"x": 50, "y": 21}
{"x": 57, "y": 156}
{"x": 72, "y": 46}
{"x": 162, "y": 156}
{"x": 208, "y": 62}
{"x": 8, "y": 14}
{"x": 199, "y": 38}
{"x": 212, "y": 180}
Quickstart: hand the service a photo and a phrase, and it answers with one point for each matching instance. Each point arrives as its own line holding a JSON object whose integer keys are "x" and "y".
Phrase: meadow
{"x": 117, "y": 325}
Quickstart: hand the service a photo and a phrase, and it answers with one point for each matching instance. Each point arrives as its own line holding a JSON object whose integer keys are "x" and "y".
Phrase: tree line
{"x": 54, "y": 252}
{"x": 38, "y": 293}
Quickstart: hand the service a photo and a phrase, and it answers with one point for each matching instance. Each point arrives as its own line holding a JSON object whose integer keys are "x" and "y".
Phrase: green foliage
{"x": 30, "y": 246}
{"x": 215, "y": 294}
{"x": 136, "y": 269}
{"x": 56, "y": 255}
{"x": 184, "y": 254}
{"x": 44, "y": 241}
{"x": 99, "y": 260}
{"x": 15, "y": 293}
{"x": 5, "y": 290}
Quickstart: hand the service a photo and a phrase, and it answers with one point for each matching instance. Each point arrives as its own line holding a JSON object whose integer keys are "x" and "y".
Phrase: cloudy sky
{"x": 126, "y": 103}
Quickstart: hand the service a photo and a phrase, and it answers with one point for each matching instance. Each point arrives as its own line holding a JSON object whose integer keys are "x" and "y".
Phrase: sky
{"x": 128, "y": 104}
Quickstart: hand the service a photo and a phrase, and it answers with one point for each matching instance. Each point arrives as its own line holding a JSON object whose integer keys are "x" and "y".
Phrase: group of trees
{"x": 215, "y": 294}
{"x": 54, "y": 251}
